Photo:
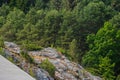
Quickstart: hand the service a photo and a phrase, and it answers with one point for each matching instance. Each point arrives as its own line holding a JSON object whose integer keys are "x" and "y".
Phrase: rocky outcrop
{"x": 12, "y": 51}
{"x": 12, "y": 47}
{"x": 65, "y": 69}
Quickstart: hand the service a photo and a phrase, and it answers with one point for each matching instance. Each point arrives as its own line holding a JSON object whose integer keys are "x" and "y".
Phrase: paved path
{"x": 9, "y": 71}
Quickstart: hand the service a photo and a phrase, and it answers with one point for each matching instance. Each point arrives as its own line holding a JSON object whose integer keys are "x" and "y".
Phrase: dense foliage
{"x": 87, "y": 31}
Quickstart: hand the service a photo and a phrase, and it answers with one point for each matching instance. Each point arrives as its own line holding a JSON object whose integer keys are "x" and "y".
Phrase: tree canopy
{"x": 86, "y": 31}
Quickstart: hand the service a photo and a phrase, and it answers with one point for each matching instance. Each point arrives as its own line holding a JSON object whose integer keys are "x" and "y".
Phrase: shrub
{"x": 118, "y": 77}
{"x": 1, "y": 51}
{"x": 27, "y": 57}
{"x": 1, "y": 42}
{"x": 48, "y": 66}
{"x": 64, "y": 52}
{"x": 31, "y": 72}
{"x": 30, "y": 46}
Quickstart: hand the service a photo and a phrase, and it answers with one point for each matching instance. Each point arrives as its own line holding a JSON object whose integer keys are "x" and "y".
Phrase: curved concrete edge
{"x": 9, "y": 71}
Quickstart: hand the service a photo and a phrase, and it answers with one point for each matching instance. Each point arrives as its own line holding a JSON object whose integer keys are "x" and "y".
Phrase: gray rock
{"x": 68, "y": 76}
{"x": 12, "y": 47}
{"x": 40, "y": 75}
{"x": 50, "y": 52}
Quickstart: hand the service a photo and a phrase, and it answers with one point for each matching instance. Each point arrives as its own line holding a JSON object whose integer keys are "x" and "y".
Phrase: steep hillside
{"x": 85, "y": 31}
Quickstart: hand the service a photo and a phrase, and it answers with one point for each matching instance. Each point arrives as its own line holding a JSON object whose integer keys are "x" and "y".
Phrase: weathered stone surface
{"x": 42, "y": 75}
{"x": 12, "y": 47}
{"x": 65, "y": 69}
{"x": 10, "y": 52}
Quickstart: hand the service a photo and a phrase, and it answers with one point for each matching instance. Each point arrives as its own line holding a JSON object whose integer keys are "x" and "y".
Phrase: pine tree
{"x": 73, "y": 49}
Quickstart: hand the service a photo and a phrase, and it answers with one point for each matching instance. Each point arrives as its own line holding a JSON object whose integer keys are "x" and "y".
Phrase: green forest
{"x": 86, "y": 31}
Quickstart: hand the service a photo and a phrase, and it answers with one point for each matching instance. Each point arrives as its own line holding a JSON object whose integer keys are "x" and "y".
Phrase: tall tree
{"x": 90, "y": 19}
{"x": 53, "y": 21}
{"x": 14, "y": 22}
{"x": 106, "y": 68}
{"x": 42, "y": 4}
{"x": 55, "y": 4}
{"x": 30, "y": 32}
{"x": 4, "y": 10}
{"x": 106, "y": 44}
{"x": 67, "y": 28}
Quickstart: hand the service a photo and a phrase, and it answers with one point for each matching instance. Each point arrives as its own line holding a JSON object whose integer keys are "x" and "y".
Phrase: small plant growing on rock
{"x": 48, "y": 66}
{"x": 27, "y": 57}
{"x": 1, "y": 42}
{"x": 1, "y": 51}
